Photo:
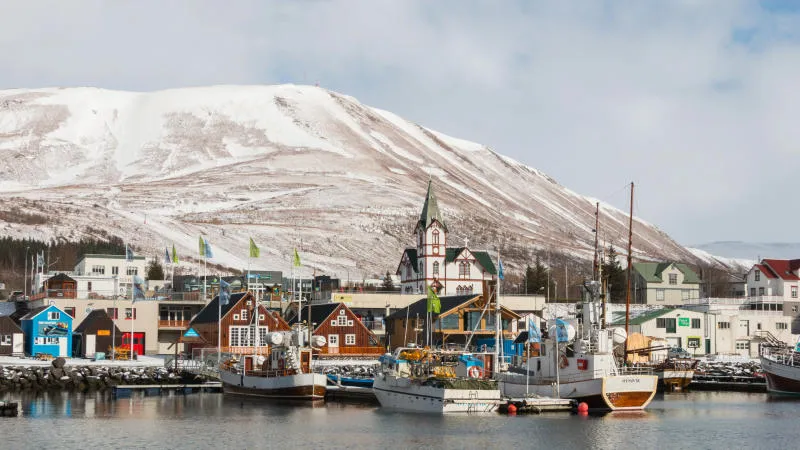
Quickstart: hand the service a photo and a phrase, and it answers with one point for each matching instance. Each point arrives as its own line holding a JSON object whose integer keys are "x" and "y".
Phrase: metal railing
{"x": 173, "y": 323}
{"x": 349, "y": 350}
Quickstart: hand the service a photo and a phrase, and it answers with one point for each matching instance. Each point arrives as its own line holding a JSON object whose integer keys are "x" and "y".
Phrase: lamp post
{"x": 25, "y": 275}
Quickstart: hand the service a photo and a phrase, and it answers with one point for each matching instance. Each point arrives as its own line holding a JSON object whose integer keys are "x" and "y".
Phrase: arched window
{"x": 435, "y": 237}
{"x": 463, "y": 269}
{"x": 436, "y": 268}
{"x": 419, "y": 236}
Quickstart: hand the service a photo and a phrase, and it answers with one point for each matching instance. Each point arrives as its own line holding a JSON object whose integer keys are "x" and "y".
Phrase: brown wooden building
{"x": 12, "y": 341}
{"x": 238, "y": 325}
{"x": 95, "y": 334}
{"x": 461, "y": 316}
{"x": 61, "y": 285}
{"x": 343, "y": 331}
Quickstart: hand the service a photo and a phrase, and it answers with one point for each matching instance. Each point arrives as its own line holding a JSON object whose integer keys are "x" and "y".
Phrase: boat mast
{"x": 596, "y": 234}
{"x": 628, "y": 290}
{"x": 498, "y": 323}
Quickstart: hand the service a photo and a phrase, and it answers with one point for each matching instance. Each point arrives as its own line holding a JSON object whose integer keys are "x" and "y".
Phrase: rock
{"x": 59, "y": 362}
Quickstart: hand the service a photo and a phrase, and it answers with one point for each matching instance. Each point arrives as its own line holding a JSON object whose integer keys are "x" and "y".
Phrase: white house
{"x": 774, "y": 278}
{"x": 691, "y": 330}
{"x": 101, "y": 276}
{"x": 448, "y": 270}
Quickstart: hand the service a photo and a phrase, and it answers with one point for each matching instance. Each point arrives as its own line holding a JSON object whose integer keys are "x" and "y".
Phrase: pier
{"x": 125, "y": 390}
{"x": 728, "y": 383}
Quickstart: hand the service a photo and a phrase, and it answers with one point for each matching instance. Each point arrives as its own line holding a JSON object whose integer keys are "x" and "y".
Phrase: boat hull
{"x": 781, "y": 378}
{"x": 674, "y": 380}
{"x": 405, "y": 395}
{"x": 614, "y": 392}
{"x": 306, "y": 387}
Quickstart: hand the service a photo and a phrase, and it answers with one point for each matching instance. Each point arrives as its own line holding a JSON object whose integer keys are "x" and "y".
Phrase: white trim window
{"x": 349, "y": 339}
{"x": 243, "y": 314}
{"x": 53, "y": 315}
{"x": 238, "y": 336}
{"x": 673, "y": 278}
{"x": 333, "y": 340}
{"x": 660, "y": 295}
{"x": 794, "y": 291}
{"x": 5, "y": 339}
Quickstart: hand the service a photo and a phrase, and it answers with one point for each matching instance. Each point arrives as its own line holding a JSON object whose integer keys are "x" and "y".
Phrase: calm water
{"x": 198, "y": 421}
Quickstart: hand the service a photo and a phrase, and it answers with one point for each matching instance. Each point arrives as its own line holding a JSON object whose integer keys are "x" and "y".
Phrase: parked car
{"x": 678, "y": 352}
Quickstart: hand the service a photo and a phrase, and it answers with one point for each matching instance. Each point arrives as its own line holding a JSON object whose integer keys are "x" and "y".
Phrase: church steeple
{"x": 430, "y": 210}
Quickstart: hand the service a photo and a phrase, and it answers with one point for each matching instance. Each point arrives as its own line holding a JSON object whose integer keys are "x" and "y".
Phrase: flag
{"x": 167, "y": 259}
{"x": 40, "y": 260}
{"x": 202, "y": 246}
{"x": 254, "y": 251}
{"x": 296, "y": 262}
{"x": 174, "y": 255}
{"x": 500, "y": 273}
{"x": 434, "y": 304}
{"x": 534, "y": 335}
{"x": 224, "y": 292}
{"x": 562, "y": 335}
{"x": 128, "y": 253}
{"x": 207, "y": 248}
{"x": 138, "y": 288}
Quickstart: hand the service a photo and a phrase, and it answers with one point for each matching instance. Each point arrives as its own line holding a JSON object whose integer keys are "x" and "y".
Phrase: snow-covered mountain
{"x": 290, "y": 166}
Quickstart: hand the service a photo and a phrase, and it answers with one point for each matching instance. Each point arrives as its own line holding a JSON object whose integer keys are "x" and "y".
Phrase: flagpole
{"x": 528, "y": 356}
{"x": 133, "y": 299}
{"x": 498, "y": 323}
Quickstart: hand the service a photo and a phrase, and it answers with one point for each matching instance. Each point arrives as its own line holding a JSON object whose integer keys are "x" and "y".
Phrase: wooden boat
{"x": 675, "y": 374}
{"x": 285, "y": 375}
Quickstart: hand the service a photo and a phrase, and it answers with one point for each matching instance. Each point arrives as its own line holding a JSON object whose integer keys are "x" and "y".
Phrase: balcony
{"x": 173, "y": 324}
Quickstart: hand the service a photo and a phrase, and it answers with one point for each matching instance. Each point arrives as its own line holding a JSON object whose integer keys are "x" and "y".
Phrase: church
{"x": 448, "y": 270}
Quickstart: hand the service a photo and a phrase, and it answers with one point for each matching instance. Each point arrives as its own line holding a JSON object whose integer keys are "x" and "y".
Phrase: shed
{"x": 47, "y": 329}
{"x": 11, "y": 336}
{"x": 95, "y": 334}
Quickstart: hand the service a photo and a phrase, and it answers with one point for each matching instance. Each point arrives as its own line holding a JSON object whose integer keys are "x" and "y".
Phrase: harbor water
{"x": 207, "y": 420}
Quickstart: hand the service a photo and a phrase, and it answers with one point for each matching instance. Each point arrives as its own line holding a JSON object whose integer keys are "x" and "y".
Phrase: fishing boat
{"x": 675, "y": 374}
{"x": 781, "y": 368}
{"x": 284, "y": 375}
{"x": 580, "y": 365}
{"x": 427, "y": 381}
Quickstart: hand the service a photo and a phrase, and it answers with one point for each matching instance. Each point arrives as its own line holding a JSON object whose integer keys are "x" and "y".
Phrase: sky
{"x": 696, "y": 101}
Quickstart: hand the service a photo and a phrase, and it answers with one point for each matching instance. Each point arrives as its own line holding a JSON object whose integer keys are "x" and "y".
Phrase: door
{"x": 138, "y": 342}
{"x": 671, "y": 325}
{"x": 708, "y": 346}
{"x": 744, "y": 327}
{"x": 62, "y": 347}
{"x": 674, "y": 342}
{"x": 90, "y": 345}
{"x": 19, "y": 343}
{"x": 333, "y": 343}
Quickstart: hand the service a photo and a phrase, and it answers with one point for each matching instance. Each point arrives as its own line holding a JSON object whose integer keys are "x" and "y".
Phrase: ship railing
{"x": 271, "y": 373}
{"x": 781, "y": 356}
{"x": 635, "y": 370}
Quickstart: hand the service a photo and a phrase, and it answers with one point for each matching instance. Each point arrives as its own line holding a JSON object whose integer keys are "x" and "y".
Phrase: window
{"x": 761, "y": 291}
{"x": 53, "y": 315}
{"x": 723, "y": 325}
{"x": 781, "y": 326}
{"x": 234, "y": 337}
{"x": 660, "y": 295}
{"x": 673, "y": 278}
{"x": 758, "y": 326}
{"x": 448, "y": 322}
{"x": 696, "y": 323}
{"x": 349, "y": 339}
{"x": 5, "y": 339}
{"x": 463, "y": 269}
{"x": 114, "y": 270}
{"x": 743, "y": 345}
{"x": 243, "y": 314}
{"x": 98, "y": 270}
{"x": 70, "y": 311}
{"x": 471, "y": 320}
{"x": 89, "y": 286}
{"x": 436, "y": 270}
{"x": 333, "y": 340}
{"x": 419, "y": 236}
{"x": 420, "y": 267}
{"x": 794, "y": 291}
{"x": 661, "y": 322}
{"x": 342, "y": 321}
{"x": 261, "y": 317}
{"x": 684, "y": 294}
{"x": 112, "y": 312}
{"x": 132, "y": 270}
{"x": 435, "y": 237}
{"x": 235, "y": 317}
{"x": 693, "y": 342}
{"x": 758, "y": 275}
{"x": 130, "y": 313}
{"x": 752, "y": 292}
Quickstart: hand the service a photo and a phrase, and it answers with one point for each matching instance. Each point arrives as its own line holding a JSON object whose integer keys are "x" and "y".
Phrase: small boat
{"x": 781, "y": 367}
{"x": 350, "y": 381}
{"x": 420, "y": 380}
{"x": 675, "y": 374}
{"x": 285, "y": 375}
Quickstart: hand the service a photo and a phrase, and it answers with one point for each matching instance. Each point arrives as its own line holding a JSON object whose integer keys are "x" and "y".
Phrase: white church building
{"x": 448, "y": 270}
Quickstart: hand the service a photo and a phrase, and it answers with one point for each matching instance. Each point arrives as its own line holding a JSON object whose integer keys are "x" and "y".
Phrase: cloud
{"x": 693, "y": 100}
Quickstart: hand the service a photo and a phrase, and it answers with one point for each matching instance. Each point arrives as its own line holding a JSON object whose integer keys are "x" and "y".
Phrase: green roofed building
{"x": 664, "y": 283}
{"x": 448, "y": 270}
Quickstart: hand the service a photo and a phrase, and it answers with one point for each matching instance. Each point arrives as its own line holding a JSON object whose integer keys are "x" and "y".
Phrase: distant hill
{"x": 752, "y": 250}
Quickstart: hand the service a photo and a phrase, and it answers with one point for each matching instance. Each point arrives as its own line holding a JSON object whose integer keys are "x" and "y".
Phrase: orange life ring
{"x": 475, "y": 372}
{"x": 563, "y": 362}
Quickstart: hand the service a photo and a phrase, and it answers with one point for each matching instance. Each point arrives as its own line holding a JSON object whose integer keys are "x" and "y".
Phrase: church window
{"x": 436, "y": 268}
{"x": 463, "y": 269}
{"x": 420, "y": 267}
{"x": 420, "y": 238}
{"x": 435, "y": 237}
{"x": 408, "y": 272}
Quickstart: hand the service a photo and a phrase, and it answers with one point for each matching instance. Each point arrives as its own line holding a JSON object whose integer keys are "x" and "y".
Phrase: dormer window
{"x": 758, "y": 275}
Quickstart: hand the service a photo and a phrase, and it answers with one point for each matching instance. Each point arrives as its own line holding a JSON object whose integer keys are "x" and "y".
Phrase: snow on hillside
{"x": 290, "y": 166}
{"x": 738, "y": 264}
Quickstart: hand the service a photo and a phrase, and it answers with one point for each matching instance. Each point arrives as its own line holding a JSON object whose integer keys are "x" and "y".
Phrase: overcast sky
{"x": 697, "y": 101}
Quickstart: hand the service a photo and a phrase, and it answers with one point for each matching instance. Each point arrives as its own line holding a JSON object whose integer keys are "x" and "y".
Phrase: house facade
{"x": 687, "y": 329}
{"x": 776, "y": 278}
{"x": 448, "y": 270}
{"x": 344, "y": 332}
{"x": 47, "y": 329}
{"x": 12, "y": 340}
{"x": 665, "y": 283}
{"x": 95, "y": 333}
{"x": 95, "y": 276}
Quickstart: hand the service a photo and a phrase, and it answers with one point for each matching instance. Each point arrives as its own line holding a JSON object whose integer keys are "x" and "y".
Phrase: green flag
{"x": 174, "y": 255}
{"x": 202, "y": 247}
{"x": 296, "y": 259}
{"x": 254, "y": 252}
{"x": 434, "y": 304}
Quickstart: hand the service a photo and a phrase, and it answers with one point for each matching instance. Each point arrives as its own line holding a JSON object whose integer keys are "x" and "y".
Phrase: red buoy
{"x": 583, "y": 407}
{"x": 512, "y": 409}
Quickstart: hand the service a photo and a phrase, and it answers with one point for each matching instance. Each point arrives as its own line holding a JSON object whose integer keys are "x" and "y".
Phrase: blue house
{"x": 47, "y": 329}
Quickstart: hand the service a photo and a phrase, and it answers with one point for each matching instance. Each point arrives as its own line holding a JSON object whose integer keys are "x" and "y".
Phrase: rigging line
{"x": 606, "y": 198}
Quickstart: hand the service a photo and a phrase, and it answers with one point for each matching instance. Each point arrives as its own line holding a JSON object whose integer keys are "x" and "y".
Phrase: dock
{"x": 537, "y": 405}
{"x": 125, "y": 390}
{"x": 728, "y": 383}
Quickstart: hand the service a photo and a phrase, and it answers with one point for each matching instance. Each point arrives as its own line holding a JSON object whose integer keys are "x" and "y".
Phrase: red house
{"x": 342, "y": 329}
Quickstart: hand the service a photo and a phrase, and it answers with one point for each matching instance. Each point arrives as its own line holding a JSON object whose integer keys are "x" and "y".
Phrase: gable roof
{"x": 483, "y": 258}
{"x": 10, "y": 324}
{"x": 60, "y": 277}
{"x": 651, "y": 271}
{"x": 36, "y": 311}
{"x": 783, "y": 268}
{"x": 430, "y": 210}
{"x": 319, "y": 313}
{"x": 765, "y": 270}
{"x": 412, "y": 257}
{"x": 7, "y": 308}
{"x": 95, "y": 315}
{"x": 210, "y": 313}
{"x": 421, "y": 306}
{"x": 642, "y": 318}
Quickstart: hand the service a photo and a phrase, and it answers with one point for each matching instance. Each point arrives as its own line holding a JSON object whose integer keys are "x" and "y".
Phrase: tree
{"x": 614, "y": 276}
{"x": 536, "y": 279}
{"x": 155, "y": 271}
{"x": 388, "y": 284}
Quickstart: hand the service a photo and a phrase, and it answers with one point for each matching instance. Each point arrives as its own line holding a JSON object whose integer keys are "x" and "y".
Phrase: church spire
{"x": 430, "y": 210}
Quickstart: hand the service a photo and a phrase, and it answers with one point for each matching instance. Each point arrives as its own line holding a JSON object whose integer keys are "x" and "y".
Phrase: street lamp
{"x": 25, "y": 275}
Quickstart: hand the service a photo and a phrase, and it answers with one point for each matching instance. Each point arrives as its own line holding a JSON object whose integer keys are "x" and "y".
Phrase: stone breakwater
{"x": 58, "y": 376}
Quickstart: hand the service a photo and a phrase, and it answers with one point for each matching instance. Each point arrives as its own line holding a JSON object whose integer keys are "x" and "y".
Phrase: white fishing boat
{"x": 283, "y": 375}
{"x": 781, "y": 368}
{"x": 580, "y": 365}
{"x": 419, "y": 380}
